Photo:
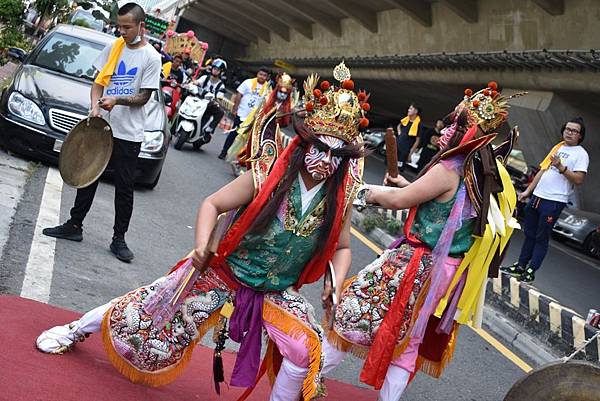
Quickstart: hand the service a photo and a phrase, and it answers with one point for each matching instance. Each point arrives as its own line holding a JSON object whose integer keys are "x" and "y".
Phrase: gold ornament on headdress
{"x": 487, "y": 107}
{"x": 335, "y": 111}
{"x": 284, "y": 81}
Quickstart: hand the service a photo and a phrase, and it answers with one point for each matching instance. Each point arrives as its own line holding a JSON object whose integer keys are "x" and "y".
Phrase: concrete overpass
{"x": 428, "y": 51}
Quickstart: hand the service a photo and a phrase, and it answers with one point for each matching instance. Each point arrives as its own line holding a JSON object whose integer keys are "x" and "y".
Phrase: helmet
{"x": 220, "y": 64}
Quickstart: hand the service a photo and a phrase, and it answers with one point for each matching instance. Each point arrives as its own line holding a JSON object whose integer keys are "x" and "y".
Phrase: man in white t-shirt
{"x": 249, "y": 95}
{"x": 121, "y": 102}
{"x": 565, "y": 167}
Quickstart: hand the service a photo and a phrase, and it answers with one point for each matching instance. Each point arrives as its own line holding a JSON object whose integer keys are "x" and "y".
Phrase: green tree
{"x": 11, "y": 12}
{"x": 50, "y": 8}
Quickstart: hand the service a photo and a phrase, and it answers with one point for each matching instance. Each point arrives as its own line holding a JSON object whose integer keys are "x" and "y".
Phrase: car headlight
{"x": 153, "y": 141}
{"x": 576, "y": 221}
{"x": 20, "y": 106}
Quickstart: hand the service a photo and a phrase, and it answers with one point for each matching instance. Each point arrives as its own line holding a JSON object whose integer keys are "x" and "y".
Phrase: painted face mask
{"x": 321, "y": 164}
{"x": 282, "y": 96}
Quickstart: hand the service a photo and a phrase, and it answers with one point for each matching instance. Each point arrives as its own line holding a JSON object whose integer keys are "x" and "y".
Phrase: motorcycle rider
{"x": 213, "y": 84}
{"x": 173, "y": 69}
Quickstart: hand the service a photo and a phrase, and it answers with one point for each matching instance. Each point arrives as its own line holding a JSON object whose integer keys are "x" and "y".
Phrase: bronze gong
{"x": 559, "y": 381}
{"x": 86, "y": 152}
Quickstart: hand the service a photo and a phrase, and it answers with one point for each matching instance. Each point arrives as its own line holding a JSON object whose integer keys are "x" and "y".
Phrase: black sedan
{"x": 50, "y": 93}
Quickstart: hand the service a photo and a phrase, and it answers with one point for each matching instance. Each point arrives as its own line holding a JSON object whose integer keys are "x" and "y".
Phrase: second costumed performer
{"x": 272, "y": 114}
{"x": 401, "y": 313}
{"x": 292, "y": 216}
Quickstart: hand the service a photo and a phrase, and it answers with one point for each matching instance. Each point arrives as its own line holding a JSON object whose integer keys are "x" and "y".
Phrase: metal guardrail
{"x": 544, "y": 59}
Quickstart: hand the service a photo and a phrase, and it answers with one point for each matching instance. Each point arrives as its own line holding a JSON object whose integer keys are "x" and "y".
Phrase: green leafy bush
{"x": 371, "y": 221}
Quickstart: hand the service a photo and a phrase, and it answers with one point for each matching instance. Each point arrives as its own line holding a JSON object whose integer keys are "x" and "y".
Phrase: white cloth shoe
{"x": 59, "y": 339}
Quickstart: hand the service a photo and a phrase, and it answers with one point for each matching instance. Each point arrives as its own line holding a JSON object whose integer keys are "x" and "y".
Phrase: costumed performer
{"x": 272, "y": 115}
{"x": 401, "y": 312}
{"x": 293, "y": 218}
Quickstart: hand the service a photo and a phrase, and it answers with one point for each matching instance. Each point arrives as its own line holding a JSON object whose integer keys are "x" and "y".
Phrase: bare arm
{"x": 138, "y": 99}
{"x": 237, "y": 193}
{"x": 531, "y": 187}
{"x": 342, "y": 259}
{"x": 437, "y": 183}
{"x": 237, "y": 97}
{"x": 95, "y": 95}
{"x": 575, "y": 177}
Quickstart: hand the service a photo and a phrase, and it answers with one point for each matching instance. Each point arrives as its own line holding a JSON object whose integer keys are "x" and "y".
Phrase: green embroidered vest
{"x": 430, "y": 221}
{"x": 274, "y": 260}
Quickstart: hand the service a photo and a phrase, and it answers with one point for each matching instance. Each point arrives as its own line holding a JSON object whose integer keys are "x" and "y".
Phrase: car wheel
{"x": 182, "y": 137}
{"x": 153, "y": 184}
{"x": 380, "y": 149}
{"x": 591, "y": 245}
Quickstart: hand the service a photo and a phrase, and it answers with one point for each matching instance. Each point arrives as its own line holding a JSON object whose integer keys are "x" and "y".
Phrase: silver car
{"x": 375, "y": 139}
{"x": 581, "y": 227}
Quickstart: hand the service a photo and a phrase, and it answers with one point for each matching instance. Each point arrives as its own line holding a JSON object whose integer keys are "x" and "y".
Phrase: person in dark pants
{"x": 249, "y": 95}
{"x": 565, "y": 166}
{"x": 132, "y": 69}
{"x": 409, "y": 131}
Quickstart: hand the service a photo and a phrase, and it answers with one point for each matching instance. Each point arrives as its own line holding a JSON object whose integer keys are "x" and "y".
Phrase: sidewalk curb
{"x": 549, "y": 320}
{"x": 537, "y": 315}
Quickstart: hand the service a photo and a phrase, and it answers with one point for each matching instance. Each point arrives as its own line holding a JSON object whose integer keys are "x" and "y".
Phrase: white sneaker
{"x": 59, "y": 339}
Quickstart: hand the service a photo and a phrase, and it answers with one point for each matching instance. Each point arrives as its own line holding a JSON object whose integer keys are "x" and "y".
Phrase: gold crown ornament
{"x": 285, "y": 83}
{"x": 335, "y": 111}
{"x": 487, "y": 107}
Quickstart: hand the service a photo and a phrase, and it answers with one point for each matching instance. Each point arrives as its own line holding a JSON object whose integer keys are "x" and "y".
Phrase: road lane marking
{"x": 370, "y": 244}
{"x": 40, "y": 264}
{"x": 503, "y": 350}
{"x": 482, "y": 333}
{"x": 571, "y": 252}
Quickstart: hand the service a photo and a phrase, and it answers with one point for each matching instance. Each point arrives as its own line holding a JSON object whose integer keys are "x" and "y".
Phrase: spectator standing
{"x": 137, "y": 75}
{"x": 409, "y": 131}
{"x": 565, "y": 166}
{"x": 249, "y": 95}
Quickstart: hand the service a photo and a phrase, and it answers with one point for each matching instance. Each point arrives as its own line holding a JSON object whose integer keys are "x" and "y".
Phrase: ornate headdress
{"x": 335, "y": 111}
{"x": 285, "y": 82}
{"x": 487, "y": 107}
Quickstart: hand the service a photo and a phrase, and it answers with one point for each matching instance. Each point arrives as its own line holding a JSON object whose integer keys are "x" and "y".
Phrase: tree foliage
{"x": 11, "y": 12}
{"x": 110, "y": 6}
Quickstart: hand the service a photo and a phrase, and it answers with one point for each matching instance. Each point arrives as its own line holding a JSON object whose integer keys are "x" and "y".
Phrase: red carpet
{"x": 86, "y": 375}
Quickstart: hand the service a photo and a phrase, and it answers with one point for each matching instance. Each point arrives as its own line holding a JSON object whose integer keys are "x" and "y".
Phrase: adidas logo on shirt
{"x": 121, "y": 79}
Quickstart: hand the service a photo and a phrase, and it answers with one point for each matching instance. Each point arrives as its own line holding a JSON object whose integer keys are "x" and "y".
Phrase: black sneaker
{"x": 222, "y": 156}
{"x": 528, "y": 276}
{"x": 68, "y": 230}
{"x": 515, "y": 269}
{"x": 118, "y": 246}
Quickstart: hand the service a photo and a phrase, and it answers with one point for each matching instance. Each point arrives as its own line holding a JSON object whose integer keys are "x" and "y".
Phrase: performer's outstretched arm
{"x": 342, "y": 258}
{"x": 234, "y": 195}
{"x": 438, "y": 183}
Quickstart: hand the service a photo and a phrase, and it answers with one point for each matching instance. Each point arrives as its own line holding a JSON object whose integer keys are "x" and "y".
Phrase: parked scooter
{"x": 191, "y": 126}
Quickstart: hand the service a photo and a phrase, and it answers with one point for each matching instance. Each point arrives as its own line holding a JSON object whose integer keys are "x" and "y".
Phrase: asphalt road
{"x": 86, "y": 274}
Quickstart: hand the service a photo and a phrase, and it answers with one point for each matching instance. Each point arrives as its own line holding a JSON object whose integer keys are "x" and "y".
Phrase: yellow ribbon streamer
{"x": 479, "y": 257}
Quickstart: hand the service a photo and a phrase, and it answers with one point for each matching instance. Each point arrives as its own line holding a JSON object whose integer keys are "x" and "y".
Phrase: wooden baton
{"x": 391, "y": 153}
